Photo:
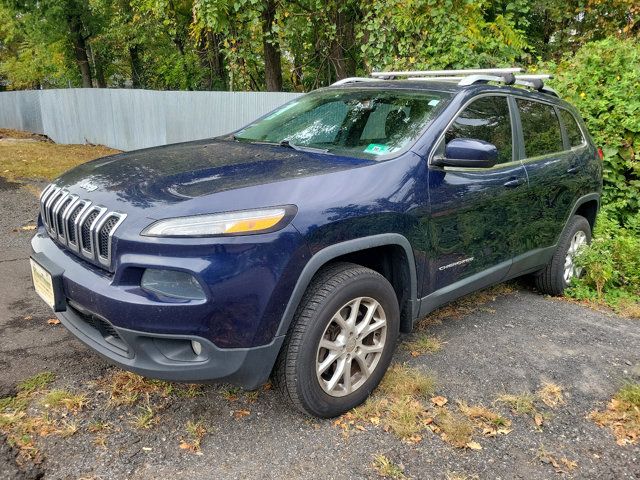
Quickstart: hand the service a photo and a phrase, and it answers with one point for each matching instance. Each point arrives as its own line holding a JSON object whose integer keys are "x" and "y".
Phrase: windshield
{"x": 352, "y": 122}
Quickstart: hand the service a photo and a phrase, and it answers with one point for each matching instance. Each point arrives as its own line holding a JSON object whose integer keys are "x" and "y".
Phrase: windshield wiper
{"x": 300, "y": 148}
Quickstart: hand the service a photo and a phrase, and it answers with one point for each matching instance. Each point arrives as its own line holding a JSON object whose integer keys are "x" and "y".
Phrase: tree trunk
{"x": 98, "y": 69}
{"x": 137, "y": 74}
{"x": 343, "y": 64}
{"x": 211, "y": 58}
{"x": 272, "y": 56}
{"x": 80, "y": 49}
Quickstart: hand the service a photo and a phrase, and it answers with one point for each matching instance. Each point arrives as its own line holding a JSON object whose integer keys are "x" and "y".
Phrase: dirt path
{"x": 512, "y": 343}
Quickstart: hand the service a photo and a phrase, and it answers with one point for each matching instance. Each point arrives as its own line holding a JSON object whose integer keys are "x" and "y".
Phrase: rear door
{"x": 475, "y": 213}
{"x": 552, "y": 169}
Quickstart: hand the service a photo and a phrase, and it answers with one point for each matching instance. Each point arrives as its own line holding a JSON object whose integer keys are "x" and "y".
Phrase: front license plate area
{"x": 47, "y": 282}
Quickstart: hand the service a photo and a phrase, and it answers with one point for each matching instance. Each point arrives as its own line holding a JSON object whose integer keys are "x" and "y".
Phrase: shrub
{"x": 612, "y": 264}
{"x": 602, "y": 79}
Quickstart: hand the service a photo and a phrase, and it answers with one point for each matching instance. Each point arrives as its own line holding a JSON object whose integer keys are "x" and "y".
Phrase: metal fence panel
{"x": 129, "y": 119}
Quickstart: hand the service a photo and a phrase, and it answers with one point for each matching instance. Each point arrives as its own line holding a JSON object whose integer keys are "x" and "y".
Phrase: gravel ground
{"x": 513, "y": 344}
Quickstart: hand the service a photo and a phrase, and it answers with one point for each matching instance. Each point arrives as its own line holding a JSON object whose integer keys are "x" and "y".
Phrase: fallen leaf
{"x": 504, "y": 431}
{"x": 53, "y": 321}
{"x": 428, "y": 421}
{"x": 241, "y": 413}
{"x": 28, "y": 317}
{"x": 28, "y": 227}
{"x": 414, "y": 438}
{"x": 538, "y": 419}
{"x": 415, "y": 353}
{"x": 361, "y": 428}
{"x": 570, "y": 464}
{"x": 439, "y": 401}
{"x": 375, "y": 420}
{"x": 474, "y": 445}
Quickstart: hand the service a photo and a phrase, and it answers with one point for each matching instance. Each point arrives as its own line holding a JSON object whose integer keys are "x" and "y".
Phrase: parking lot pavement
{"x": 515, "y": 343}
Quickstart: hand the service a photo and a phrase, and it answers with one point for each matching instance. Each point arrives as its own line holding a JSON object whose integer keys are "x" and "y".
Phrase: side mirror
{"x": 468, "y": 152}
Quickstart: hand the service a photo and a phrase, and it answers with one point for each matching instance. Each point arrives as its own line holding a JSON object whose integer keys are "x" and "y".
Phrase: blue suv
{"x": 301, "y": 246}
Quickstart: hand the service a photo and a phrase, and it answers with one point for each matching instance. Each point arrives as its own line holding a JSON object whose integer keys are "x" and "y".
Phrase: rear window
{"x": 571, "y": 126}
{"x": 364, "y": 123}
{"x": 540, "y": 128}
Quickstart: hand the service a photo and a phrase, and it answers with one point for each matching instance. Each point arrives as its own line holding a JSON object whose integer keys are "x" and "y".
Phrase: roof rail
{"x": 463, "y": 77}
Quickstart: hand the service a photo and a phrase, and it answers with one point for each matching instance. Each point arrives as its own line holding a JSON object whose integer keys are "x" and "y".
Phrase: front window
{"x": 362, "y": 123}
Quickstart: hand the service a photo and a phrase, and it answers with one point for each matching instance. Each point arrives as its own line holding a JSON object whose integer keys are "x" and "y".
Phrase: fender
{"x": 331, "y": 252}
{"x": 580, "y": 201}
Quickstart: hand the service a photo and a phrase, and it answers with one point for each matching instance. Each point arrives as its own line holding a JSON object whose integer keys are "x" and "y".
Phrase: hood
{"x": 174, "y": 173}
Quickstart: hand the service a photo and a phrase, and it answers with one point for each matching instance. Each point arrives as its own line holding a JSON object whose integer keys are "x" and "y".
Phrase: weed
{"x": 491, "y": 422}
{"x": 454, "y": 429}
{"x": 405, "y": 417}
{"x": 521, "y": 404}
{"x": 622, "y": 415}
{"x": 231, "y": 393}
{"x": 387, "y": 468}
{"x": 195, "y": 433}
{"x": 36, "y": 383}
{"x": 551, "y": 395}
{"x": 146, "y": 416}
{"x": 62, "y": 399}
{"x": 422, "y": 344}
{"x": 126, "y": 388}
{"x": 402, "y": 380}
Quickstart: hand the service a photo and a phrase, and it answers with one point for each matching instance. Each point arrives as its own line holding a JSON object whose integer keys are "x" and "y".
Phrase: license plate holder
{"x": 47, "y": 281}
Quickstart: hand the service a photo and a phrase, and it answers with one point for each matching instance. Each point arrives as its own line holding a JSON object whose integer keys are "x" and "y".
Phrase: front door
{"x": 475, "y": 213}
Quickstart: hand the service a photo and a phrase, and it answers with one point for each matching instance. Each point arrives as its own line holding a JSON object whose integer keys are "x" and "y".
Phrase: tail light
{"x": 600, "y": 154}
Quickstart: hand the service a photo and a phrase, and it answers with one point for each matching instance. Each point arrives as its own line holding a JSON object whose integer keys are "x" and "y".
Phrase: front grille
{"x": 82, "y": 227}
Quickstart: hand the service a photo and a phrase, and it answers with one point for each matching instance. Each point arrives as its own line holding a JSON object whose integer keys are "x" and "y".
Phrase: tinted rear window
{"x": 540, "y": 128}
{"x": 571, "y": 126}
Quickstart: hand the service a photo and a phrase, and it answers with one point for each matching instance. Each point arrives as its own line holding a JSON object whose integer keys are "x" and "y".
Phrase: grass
{"x": 402, "y": 380}
{"x": 387, "y": 468}
{"x": 551, "y": 395}
{"x": 422, "y": 344}
{"x": 37, "y": 382}
{"x": 491, "y": 422}
{"x": 622, "y": 415}
{"x": 396, "y": 404}
{"x": 146, "y": 416}
{"x": 42, "y": 160}
{"x": 454, "y": 428}
{"x": 195, "y": 433}
{"x": 126, "y": 388}
{"x": 60, "y": 399}
{"x": 523, "y": 403}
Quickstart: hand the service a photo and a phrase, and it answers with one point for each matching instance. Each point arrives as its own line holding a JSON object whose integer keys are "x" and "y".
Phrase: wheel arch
{"x": 348, "y": 251}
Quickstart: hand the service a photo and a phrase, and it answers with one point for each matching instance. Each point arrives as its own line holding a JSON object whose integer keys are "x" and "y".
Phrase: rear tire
{"x": 341, "y": 341}
{"x": 561, "y": 269}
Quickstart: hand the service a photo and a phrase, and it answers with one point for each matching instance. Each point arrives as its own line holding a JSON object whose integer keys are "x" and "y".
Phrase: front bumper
{"x": 170, "y": 357}
{"x": 152, "y": 336}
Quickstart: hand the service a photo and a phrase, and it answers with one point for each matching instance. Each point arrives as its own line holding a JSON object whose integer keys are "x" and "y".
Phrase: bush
{"x": 612, "y": 264}
{"x": 602, "y": 79}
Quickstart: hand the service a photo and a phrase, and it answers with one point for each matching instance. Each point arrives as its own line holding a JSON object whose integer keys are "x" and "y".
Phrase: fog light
{"x": 172, "y": 283}
{"x": 197, "y": 347}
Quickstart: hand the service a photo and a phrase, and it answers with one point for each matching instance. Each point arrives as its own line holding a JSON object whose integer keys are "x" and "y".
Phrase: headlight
{"x": 232, "y": 223}
{"x": 172, "y": 283}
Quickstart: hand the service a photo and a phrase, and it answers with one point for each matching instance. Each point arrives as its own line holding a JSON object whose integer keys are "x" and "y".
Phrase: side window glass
{"x": 540, "y": 128}
{"x": 571, "y": 126}
{"x": 486, "y": 119}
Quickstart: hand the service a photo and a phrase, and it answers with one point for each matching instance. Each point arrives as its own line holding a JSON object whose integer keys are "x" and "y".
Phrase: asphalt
{"x": 520, "y": 340}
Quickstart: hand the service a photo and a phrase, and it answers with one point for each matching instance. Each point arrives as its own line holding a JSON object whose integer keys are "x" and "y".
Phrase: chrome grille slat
{"x": 83, "y": 227}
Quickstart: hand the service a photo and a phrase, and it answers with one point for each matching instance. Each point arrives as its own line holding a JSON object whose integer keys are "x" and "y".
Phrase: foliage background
{"x": 592, "y": 46}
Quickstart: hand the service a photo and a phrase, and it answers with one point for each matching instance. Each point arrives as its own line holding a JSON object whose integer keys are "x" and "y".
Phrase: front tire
{"x": 557, "y": 275}
{"x": 341, "y": 341}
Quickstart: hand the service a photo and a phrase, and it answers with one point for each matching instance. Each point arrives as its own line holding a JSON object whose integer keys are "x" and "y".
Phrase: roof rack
{"x": 463, "y": 77}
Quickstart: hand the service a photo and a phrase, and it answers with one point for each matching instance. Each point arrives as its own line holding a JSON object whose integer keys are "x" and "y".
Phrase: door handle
{"x": 573, "y": 169}
{"x": 516, "y": 182}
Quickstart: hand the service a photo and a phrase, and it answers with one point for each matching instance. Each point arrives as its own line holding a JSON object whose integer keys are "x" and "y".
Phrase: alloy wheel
{"x": 351, "y": 346}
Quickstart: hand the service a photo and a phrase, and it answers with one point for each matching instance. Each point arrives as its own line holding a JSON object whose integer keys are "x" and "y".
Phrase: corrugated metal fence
{"x": 131, "y": 119}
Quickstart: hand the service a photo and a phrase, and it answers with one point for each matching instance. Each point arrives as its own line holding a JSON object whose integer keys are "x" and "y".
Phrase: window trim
{"x": 584, "y": 142}
{"x": 514, "y": 152}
